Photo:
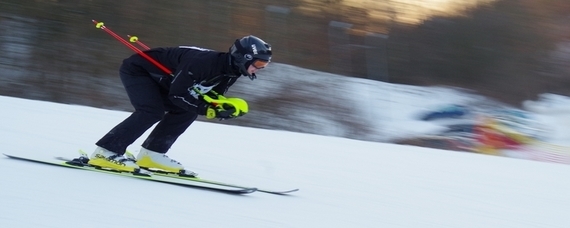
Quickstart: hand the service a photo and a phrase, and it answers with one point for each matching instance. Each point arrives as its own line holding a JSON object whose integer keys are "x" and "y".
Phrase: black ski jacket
{"x": 193, "y": 69}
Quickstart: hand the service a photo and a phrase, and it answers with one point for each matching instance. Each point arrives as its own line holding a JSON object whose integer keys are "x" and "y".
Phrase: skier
{"x": 176, "y": 101}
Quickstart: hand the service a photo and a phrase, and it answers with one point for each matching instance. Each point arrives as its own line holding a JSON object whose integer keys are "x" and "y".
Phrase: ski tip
{"x": 286, "y": 192}
{"x": 11, "y": 156}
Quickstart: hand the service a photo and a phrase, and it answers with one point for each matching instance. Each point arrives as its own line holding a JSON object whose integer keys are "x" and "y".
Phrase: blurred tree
{"x": 497, "y": 49}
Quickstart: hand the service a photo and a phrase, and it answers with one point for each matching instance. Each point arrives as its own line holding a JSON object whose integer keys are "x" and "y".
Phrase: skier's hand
{"x": 222, "y": 112}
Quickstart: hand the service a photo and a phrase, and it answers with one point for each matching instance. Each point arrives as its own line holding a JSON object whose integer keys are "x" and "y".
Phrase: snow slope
{"x": 344, "y": 183}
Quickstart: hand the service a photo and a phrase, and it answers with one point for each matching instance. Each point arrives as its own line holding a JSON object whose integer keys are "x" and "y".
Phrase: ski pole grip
{"x": 133, "y": 39}
{"x": 102, "y": 26}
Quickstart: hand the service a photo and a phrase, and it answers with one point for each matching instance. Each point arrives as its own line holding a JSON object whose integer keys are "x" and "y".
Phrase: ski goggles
{"x": 259, "y": 63}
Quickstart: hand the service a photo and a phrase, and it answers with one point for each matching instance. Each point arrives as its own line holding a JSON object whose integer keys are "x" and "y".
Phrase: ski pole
{"x": 135, "y": 39}
{"x": 101, "y": 25}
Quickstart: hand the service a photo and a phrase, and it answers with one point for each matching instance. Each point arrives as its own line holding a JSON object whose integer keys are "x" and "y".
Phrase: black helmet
{"x": 250, "y": 50}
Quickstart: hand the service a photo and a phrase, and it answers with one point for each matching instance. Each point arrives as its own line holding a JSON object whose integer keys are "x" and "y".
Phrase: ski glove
{"x": 222, "y": 112}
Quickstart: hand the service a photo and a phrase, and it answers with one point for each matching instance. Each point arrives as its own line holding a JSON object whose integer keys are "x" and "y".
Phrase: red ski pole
{"x": 135, "y": 39}
{"x": 100, "y": 25}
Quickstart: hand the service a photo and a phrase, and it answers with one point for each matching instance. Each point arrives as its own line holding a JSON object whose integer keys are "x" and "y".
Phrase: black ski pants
{"x": 152, "y": 105}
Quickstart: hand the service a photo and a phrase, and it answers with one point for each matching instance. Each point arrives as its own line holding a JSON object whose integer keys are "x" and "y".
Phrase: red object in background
{"x": 495, "y": 139}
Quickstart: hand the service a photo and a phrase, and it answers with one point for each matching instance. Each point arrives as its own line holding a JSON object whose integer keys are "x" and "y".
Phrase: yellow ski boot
{"x": 151, "y": 160}
{"x": 106, "y": 159}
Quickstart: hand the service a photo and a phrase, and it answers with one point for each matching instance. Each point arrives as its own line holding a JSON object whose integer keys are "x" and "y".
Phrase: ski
{"x": 75, "y": 164}
{"x": 196, "y": 179}
{"x": 82, "y": 154}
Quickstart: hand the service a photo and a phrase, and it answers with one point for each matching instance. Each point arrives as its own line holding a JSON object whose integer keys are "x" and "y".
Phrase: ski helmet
{"x": 250, "y": 50}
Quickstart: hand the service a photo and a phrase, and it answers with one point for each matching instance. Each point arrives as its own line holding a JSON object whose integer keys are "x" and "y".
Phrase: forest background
{"x": 508, "y": 50}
